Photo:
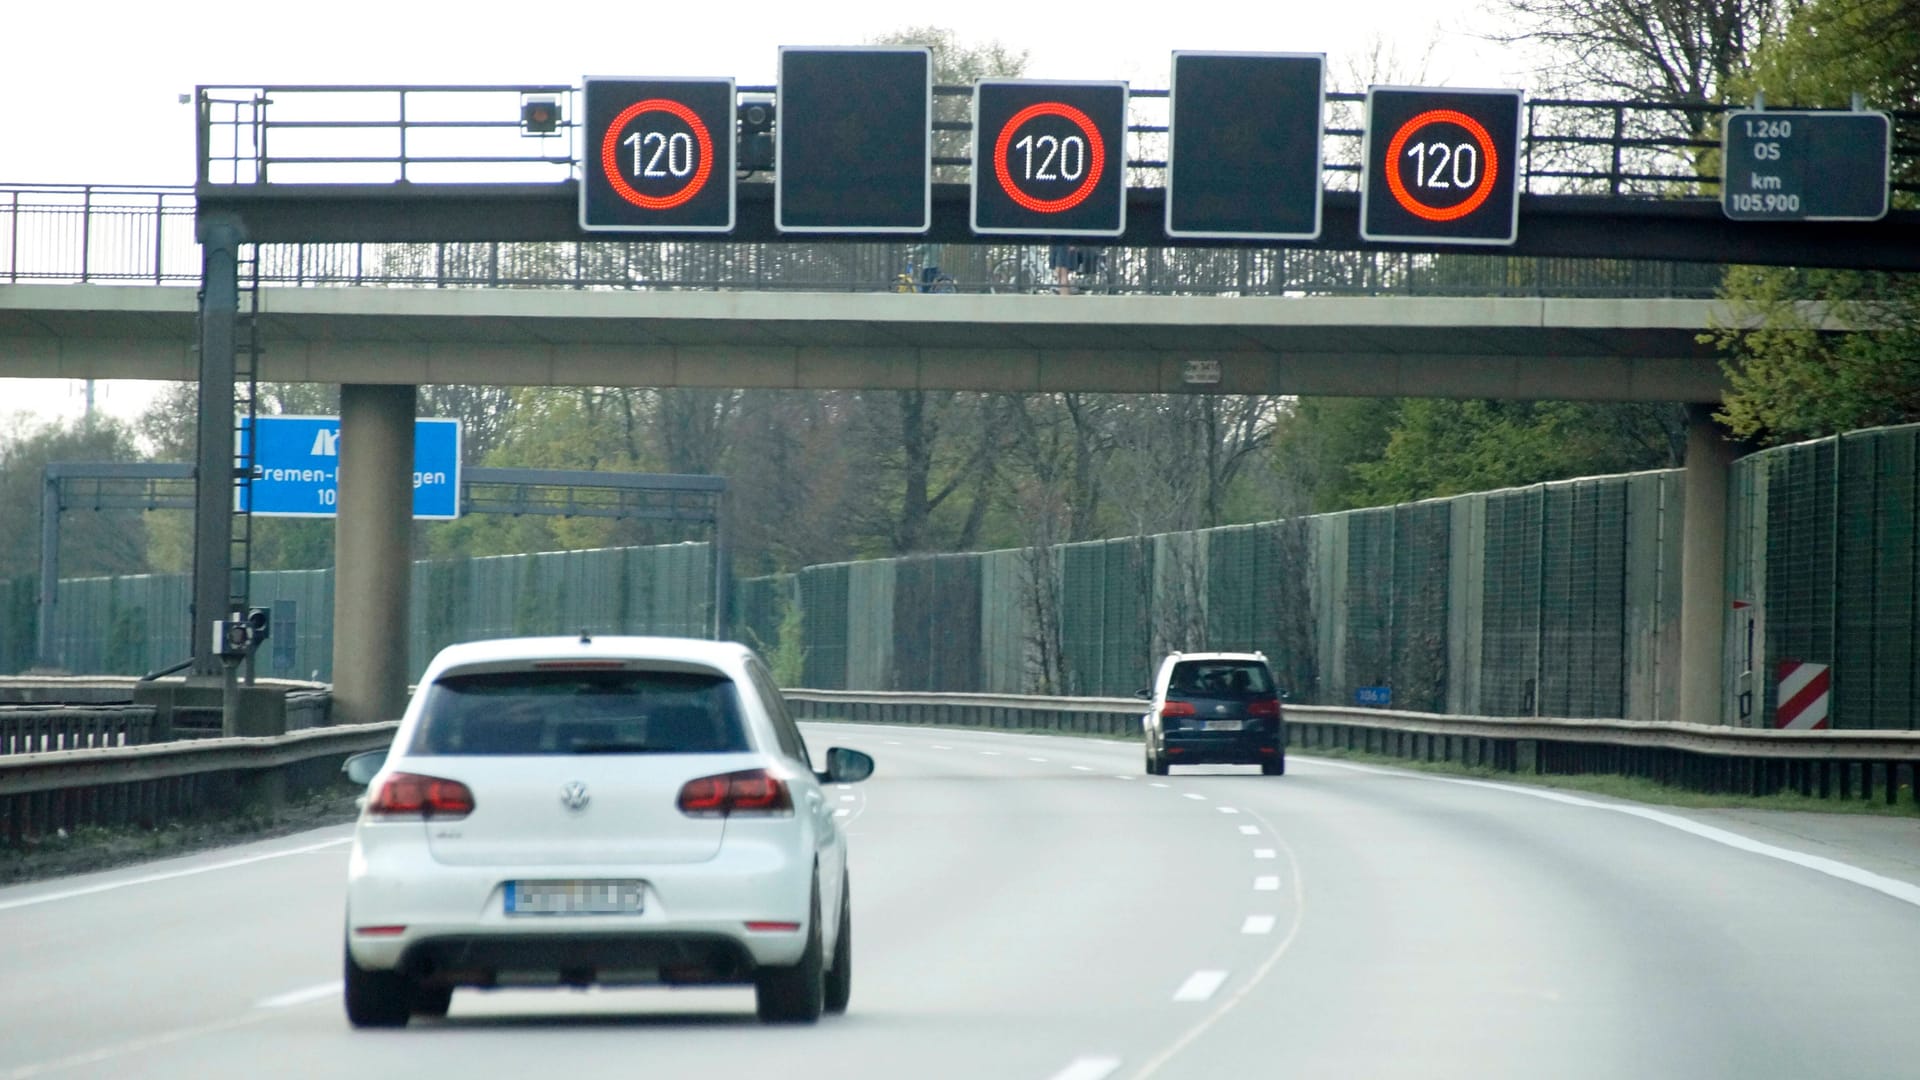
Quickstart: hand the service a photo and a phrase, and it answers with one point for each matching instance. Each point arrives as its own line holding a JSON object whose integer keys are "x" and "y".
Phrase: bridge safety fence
{"x": 126, "y": 236}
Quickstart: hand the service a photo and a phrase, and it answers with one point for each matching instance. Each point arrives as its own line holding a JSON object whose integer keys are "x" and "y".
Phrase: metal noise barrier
{"x": 1697, "y": 757}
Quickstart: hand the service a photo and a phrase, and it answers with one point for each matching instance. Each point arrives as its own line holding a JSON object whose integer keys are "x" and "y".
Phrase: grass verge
{"x": 93, "y": 848}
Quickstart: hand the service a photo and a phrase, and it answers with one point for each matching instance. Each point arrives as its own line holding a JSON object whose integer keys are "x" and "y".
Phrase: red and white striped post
{"x": 1804, "y": 691}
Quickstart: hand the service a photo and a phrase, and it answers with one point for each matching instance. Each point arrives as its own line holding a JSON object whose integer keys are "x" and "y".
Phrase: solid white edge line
{"x": 149, "y": 879}
{"x": 1902, "y": 891}
{"x": 1258, "y": 924}
{"x": 1200, "y": 986}
{"x": 301, "y": 997}
{"x": 1087, "y": 1068}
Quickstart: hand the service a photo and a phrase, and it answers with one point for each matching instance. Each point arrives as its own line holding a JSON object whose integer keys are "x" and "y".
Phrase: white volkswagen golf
{"x": 597, "y": 811}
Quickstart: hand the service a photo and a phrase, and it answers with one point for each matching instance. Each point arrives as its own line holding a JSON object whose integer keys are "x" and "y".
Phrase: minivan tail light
{"x": 1176, "y": 708}
{"x": 411, "y": 795}
{"x": 1266, "y": 706}
{"x": 749, "y": 791}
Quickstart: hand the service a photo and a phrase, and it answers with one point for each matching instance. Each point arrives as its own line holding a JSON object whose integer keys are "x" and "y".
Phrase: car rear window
{"x": 1220, "y": 678}
{"x": 581, "y": 712}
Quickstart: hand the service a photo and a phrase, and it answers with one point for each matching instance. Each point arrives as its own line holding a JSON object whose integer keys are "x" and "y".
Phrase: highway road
{"x": 1035, "y": 907}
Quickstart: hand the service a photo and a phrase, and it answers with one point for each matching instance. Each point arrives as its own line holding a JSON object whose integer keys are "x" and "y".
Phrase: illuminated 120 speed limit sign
{"x": 1049, "y": 158}
{"x": 1441, "y": 166}
{"x": 658, "y": 155}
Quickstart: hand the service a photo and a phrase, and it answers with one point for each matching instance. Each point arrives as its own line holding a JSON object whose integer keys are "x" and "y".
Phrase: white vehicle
{"x": 597, "y": 811}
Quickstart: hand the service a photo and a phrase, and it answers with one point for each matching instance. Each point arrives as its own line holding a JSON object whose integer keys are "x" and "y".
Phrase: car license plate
{"x": 1223, "y": 725}
{"x": 575, "y": 897}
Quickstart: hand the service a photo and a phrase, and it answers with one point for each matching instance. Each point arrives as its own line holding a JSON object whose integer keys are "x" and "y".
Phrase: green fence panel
{"x": 823, "y": 603}
{"x": 1510, "y": 632}
{"x": 1420, "y": 551}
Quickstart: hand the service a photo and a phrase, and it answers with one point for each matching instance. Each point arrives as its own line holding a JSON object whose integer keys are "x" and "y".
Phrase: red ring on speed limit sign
{"x": 1096, "y": 157}
{"x": 610, "y": 155}
{"x": 1480, "y": 192}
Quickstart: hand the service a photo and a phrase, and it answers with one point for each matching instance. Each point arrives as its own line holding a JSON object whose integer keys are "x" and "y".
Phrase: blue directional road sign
{"x": 296, "y": 467}
{"x": 1376, "y": 696}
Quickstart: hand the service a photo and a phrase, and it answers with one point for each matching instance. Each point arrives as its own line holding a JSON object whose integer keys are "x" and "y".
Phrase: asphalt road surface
{"x": 1035, "y": 907}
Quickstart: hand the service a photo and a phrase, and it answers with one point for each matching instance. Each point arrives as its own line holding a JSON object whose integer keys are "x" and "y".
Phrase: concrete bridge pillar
{"x": 1703, "y": 568}
{"x": 373, "y": 553}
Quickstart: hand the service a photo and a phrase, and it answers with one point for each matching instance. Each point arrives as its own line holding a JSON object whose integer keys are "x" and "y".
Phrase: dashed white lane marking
{"x": 1087, "y": 1068}
{"x": 1191, "y": 795}
{"x": 989, "y": 753}
{"x": 1041, "y": 760}
{"x": 1083, "y": 768}
{"x": 148, "y": 879}
{"x": 1200, "y": 986}
{"x": 300, "y": 997}
{"x": 1898, "y": 890}
{"x": 1257, "y": 924}
{"x": 1156, "y": 785}
{"x": 848, "y": 798}
{"x": 1226, "y": 809}
{"x": 843, "y": 787}
{"x": 1121, "y": 776}
{"x": 1249, "y": 830}
{"x": 1266, "y": 883}
{"x": 842, "y": 812}
{"x": 937, "y": 746}
{"x": 1263, "y": 853}
{"x": 893, "y": 742}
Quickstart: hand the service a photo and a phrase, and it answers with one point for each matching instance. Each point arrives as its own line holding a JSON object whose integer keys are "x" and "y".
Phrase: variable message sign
{"x": 1806, "y": 166}
{"x": 853, "y": 141}
{"x": 1243, "y": 156}
{"x": 1049, "y": 158}
{"x": 1441, "y": 166}
{"x": 659, "y": 156}
{"x": 296, "y": 467}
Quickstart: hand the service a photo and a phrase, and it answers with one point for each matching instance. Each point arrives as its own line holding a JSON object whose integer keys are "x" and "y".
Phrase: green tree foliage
{"x": 1451, "y": 447}
{"x": 105, "y": 542}
{"x": 1789, "y": 380}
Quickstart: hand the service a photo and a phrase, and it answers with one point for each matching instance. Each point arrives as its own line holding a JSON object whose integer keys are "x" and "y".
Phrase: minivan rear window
{"x": 1220, "y": 678}
{"x": 581, "y": 712}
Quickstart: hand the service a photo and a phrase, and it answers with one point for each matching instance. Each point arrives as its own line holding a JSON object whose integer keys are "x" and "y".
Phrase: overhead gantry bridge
{"x": 461, "y": 167}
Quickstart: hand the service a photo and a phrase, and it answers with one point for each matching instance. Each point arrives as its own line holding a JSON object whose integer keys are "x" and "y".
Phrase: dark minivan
{"x": 1215, "y": 709}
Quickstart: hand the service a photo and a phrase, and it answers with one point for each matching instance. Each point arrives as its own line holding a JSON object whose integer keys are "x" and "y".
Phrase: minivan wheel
{"x": 795, "y": 994}
{"x": 376, "y": 998}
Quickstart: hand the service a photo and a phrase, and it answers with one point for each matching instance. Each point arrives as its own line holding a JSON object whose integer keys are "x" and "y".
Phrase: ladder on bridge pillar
{"x": 246, "y": 388}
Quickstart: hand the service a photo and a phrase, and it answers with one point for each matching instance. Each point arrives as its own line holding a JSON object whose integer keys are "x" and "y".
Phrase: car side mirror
{"x": 1144, "y": 694}
{"x": 360, "y": 768}
{"x": 846, "y": 766}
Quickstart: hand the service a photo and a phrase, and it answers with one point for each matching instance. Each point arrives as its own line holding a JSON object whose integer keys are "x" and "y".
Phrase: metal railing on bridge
{"x": 121, "y": 236}
{"x": 387, "y": 134}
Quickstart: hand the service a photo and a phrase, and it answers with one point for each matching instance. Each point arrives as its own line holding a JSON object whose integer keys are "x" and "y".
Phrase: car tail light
{"x": 1176, "y": 708}
{"x": 411, "y": 795}
{"x": 749, "y": 791}
{"x": 1266, "y": 706}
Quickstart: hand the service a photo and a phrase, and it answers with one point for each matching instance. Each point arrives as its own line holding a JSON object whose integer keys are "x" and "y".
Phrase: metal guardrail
{"x": 64, "y": 790}
{"x": 1700, "y": 757}
{"x": 123, "y": 236}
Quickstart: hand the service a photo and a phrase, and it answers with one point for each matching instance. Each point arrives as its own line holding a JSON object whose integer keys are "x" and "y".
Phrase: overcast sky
{"x": 95, "y": 87}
